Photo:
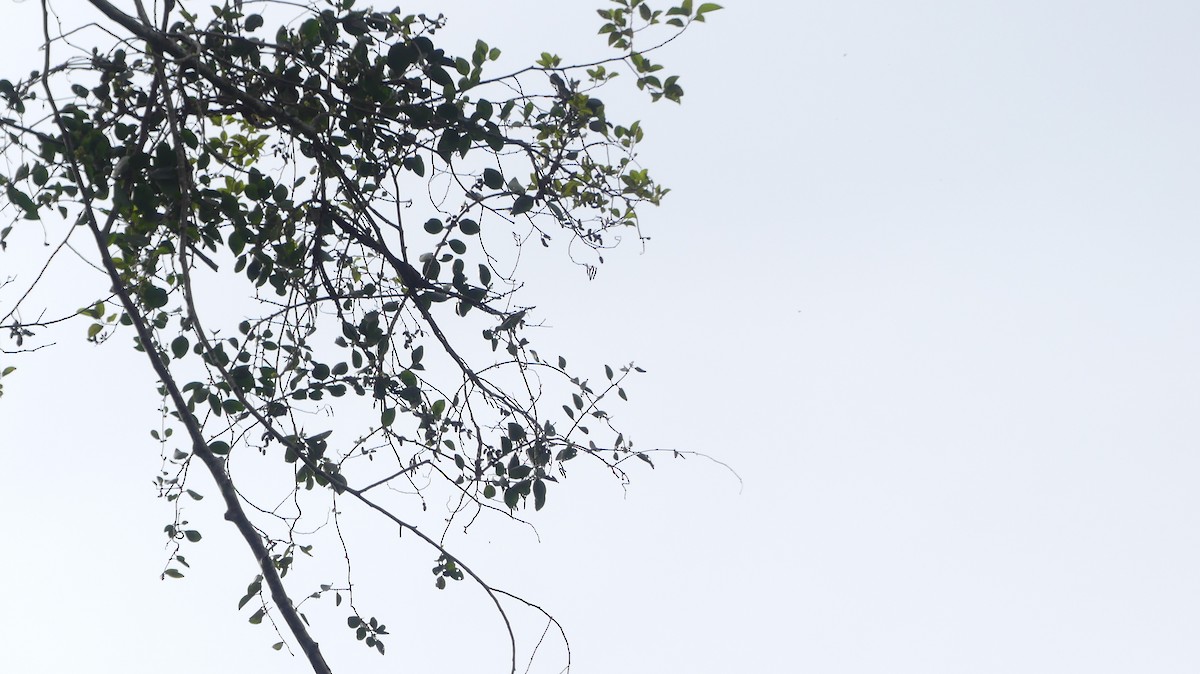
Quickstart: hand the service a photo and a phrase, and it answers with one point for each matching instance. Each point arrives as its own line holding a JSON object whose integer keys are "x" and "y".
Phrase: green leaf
{"x": 433, "y": 226}
{"x": 192, "y": 535}
{"x": 523, "y": 204}
{"x": 237, "y": 241}
{"x": 440, "y": 76}
{"x": 468, "y": 226}
{"x": 539, "y": 493}
{"x": 173, "y": 573}
{"x": 253, "y": 23}
{"x": 154, "y": 297}
{"x": 411, "y": 395}
{"x": 22, "y": 201}
{"x": 480, "y": 53}
{"x": 388, "y": 416}
{"x": 512, "y": 321}
{"x": 493, "y": 178}
{"x": 437, "y": 408}
{"x": 311, "y": 30}
{"x": 179, "y": 346}
{"x": 515, "y": 431}
{"x": 489, "y": 491}
{"x": 415, "y": 164}
{"x": 218, "y": 447}
{"x": 512, "y": 496}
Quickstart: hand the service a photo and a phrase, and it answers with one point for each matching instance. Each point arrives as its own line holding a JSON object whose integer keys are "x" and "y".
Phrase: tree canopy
{"x": 310, "y": 219}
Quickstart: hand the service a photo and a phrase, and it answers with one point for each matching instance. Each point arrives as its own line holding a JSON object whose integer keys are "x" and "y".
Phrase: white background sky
{"x": 927, "y": 279}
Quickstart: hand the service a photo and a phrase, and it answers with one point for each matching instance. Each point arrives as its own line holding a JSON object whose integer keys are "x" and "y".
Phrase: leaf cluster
{"x": 252, "y": 196}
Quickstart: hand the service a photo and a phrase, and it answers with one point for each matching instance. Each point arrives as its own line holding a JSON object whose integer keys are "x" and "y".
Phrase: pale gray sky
{"x": 927, "y": 279}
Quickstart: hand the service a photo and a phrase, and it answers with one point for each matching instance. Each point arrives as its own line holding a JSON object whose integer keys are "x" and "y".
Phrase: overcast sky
{"x": 927, "y": 280}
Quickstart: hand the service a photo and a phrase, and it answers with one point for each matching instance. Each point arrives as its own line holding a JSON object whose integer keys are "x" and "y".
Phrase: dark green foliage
{"x": 251, "y": 194}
